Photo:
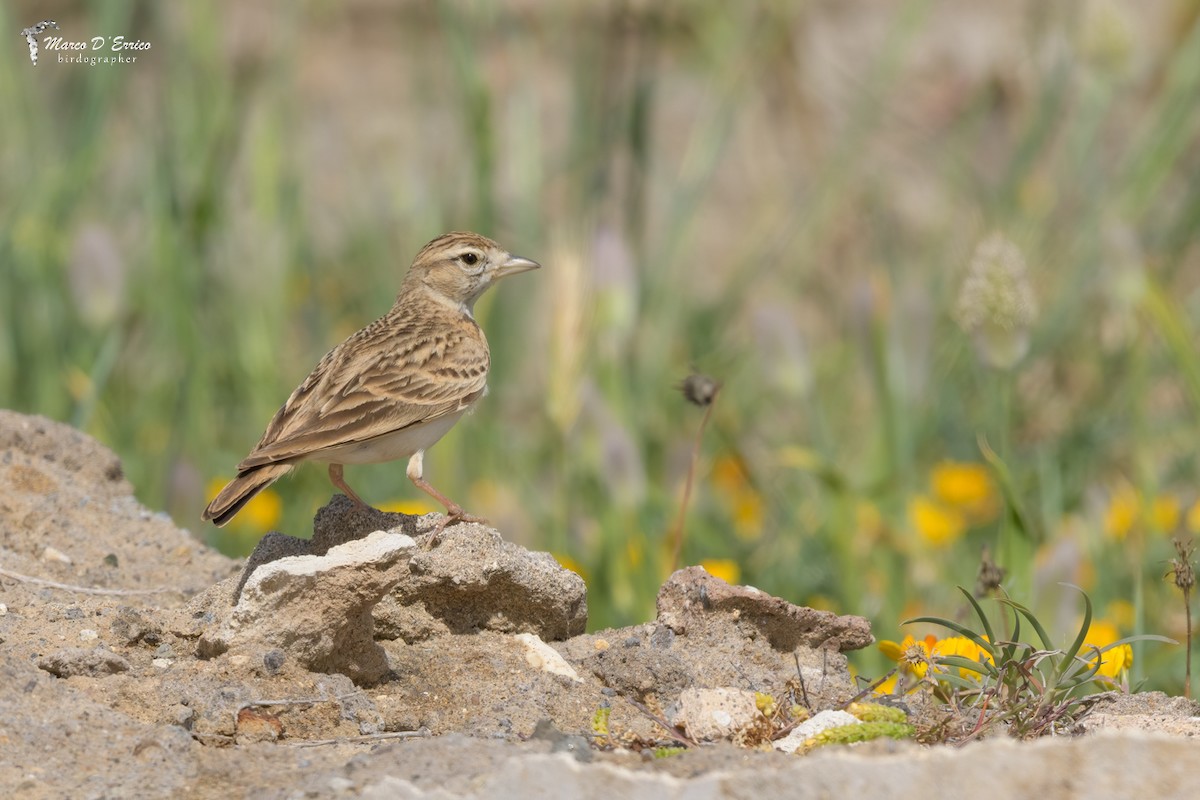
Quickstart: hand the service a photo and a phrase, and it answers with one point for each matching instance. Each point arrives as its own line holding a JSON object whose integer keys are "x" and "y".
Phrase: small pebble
{"x": 88, "y": 635}
{"x": 339, "y": 784}
{"x": 162, "y": 663}
{"x": 273, "y": 660}
{"x": 663, "y": 637}
{"x": 3, "y": 609}
{"x": 822, "y": 721}
{"x": 53, "y": 554}
{"x": 164, "y": 651}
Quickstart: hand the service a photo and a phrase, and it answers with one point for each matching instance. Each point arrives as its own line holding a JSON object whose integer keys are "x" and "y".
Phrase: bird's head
{"x": 459, "y": 267}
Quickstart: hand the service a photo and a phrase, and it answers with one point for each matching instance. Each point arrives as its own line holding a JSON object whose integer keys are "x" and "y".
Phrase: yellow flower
{"x": 571, "y": 564}
{"x": 1128, "y": 508}
{"x": 961, "y": 646}
{"x": 1164, "y": 513}
{"x": 1122, "y": 512}
{"x": 748, "y": 514}
{"x": 732, "y": 482}
{"x": 965, "y": 486}
{"x": 934, "y": 523}
{"x": 915, "y": 656}
{"x": 724, "y": 568}
{"x": 820, "y": 602}
{"x": 729, "y": 475}
{"x": 912, "y": 655}
{"x": 414, "y": 508}
{"x": 1120, "y": 612}
{"x": 868, "y": 520}
{"x": 261, "y": 513}
{"x": 635, "y": 552}
{"x": 889, "y": 685}
{"x": 1193, "y": 517}
{"x": 1114, "y": 663}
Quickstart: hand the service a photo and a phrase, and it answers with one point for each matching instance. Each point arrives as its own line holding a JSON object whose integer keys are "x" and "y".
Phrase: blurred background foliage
{"x": 904, "y": 236}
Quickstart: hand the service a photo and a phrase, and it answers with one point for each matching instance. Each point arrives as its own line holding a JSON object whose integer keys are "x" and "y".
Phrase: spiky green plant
{"x": 1026, "y": 689}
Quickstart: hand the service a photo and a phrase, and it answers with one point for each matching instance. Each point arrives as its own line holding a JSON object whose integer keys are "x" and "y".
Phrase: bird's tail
{"x": 241, "y": 490}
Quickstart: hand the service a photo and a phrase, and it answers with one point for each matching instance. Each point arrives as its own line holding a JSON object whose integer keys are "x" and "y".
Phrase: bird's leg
{"x": 335, "y": 477}
{"x": 454, "y": 512}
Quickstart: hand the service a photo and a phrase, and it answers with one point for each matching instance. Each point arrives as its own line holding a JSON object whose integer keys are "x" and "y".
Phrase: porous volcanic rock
{"x": 693, "y": 601}
{"x": 68, "y": 515}
{"x": 471, "y": 579}
{"x": 465, "y": 579}
{"x": 316, "y": 609}
{"x": 104, "y": 694}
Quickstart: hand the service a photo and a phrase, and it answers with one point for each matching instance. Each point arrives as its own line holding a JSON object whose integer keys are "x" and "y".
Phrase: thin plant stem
{"x": 677, "y": 534}
{"x": 1187, "y": 670}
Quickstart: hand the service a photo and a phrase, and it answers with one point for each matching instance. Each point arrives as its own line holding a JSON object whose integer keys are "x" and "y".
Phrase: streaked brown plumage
{"x": 392, "y": 389}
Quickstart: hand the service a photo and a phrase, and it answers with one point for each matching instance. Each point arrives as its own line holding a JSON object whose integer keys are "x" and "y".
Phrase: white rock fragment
{"x": 378, "y": 547}
{"x": 811, "y": 727}
{"x": 3, "y": 609}
{"x": 54, "y": 554}
{"x": 88, "y": 635}
{"x": 711, "y": 714}
{"x": 340, "y": 785}
{"x": 544, "y": 657}
{"x": 163, "y": 663}
{"x": 317, "y": 609}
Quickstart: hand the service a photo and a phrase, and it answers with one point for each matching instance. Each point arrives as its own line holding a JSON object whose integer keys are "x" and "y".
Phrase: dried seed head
{"x": 916, "y": 657}
{"x": 996, "y": 306}
{"x": 700, "y": 390}
{"x": 990, "y": 576}
{"x": 1181, "y": 567}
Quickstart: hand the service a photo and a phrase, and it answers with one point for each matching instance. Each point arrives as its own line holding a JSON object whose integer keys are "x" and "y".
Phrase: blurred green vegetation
{"x": 785, "y": 196}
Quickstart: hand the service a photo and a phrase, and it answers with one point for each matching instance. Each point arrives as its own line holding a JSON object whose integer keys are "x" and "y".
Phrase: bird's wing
{"x": 386, "y": 377}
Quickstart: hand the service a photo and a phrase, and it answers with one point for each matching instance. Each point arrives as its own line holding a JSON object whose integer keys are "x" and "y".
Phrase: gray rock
{"x": 711, "y": 714}
{"x": 472, "y": 579}
{"x": 468, "y": 579}
{"x": 272, "y": 547}
{"x": 62, "y": 490}
{"x": 132, "y": 627}
{"x": 342, "y": 520}
{"x": 71, "y": 661}
{"x": 316, "y": 609}
{"x": 692, "y": 600}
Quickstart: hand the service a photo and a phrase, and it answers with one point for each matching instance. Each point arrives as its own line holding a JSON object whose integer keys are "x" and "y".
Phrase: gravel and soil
{"x": 372, "y": 659}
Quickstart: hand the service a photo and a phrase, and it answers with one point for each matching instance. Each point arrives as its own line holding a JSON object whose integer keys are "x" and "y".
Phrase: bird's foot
{"x": 454, "y": 515}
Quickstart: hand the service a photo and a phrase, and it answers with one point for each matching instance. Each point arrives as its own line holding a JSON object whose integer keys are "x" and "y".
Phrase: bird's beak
{"x": 513, "y": 265}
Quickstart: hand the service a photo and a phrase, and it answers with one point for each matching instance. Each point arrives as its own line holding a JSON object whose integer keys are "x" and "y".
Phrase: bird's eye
{"x": 470, "y": 259}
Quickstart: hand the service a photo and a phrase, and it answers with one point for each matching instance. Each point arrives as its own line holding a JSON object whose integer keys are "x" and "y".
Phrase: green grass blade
{"x": 1008, "y": 490}
{"x": 1083, "y": 628}
{"x": 962, "y": 662}
{"x": 1047, "y": 642}
{"x": 954, "y": 626}
{"x": 983, "y": 620}
{"x": 1165, "y": 315}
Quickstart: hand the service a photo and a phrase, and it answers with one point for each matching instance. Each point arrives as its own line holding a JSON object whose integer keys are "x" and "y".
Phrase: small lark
{"x": 394, "y": 388}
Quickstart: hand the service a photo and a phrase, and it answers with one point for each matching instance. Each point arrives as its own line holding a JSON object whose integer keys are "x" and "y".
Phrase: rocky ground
{"x": 376, "y": 660}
